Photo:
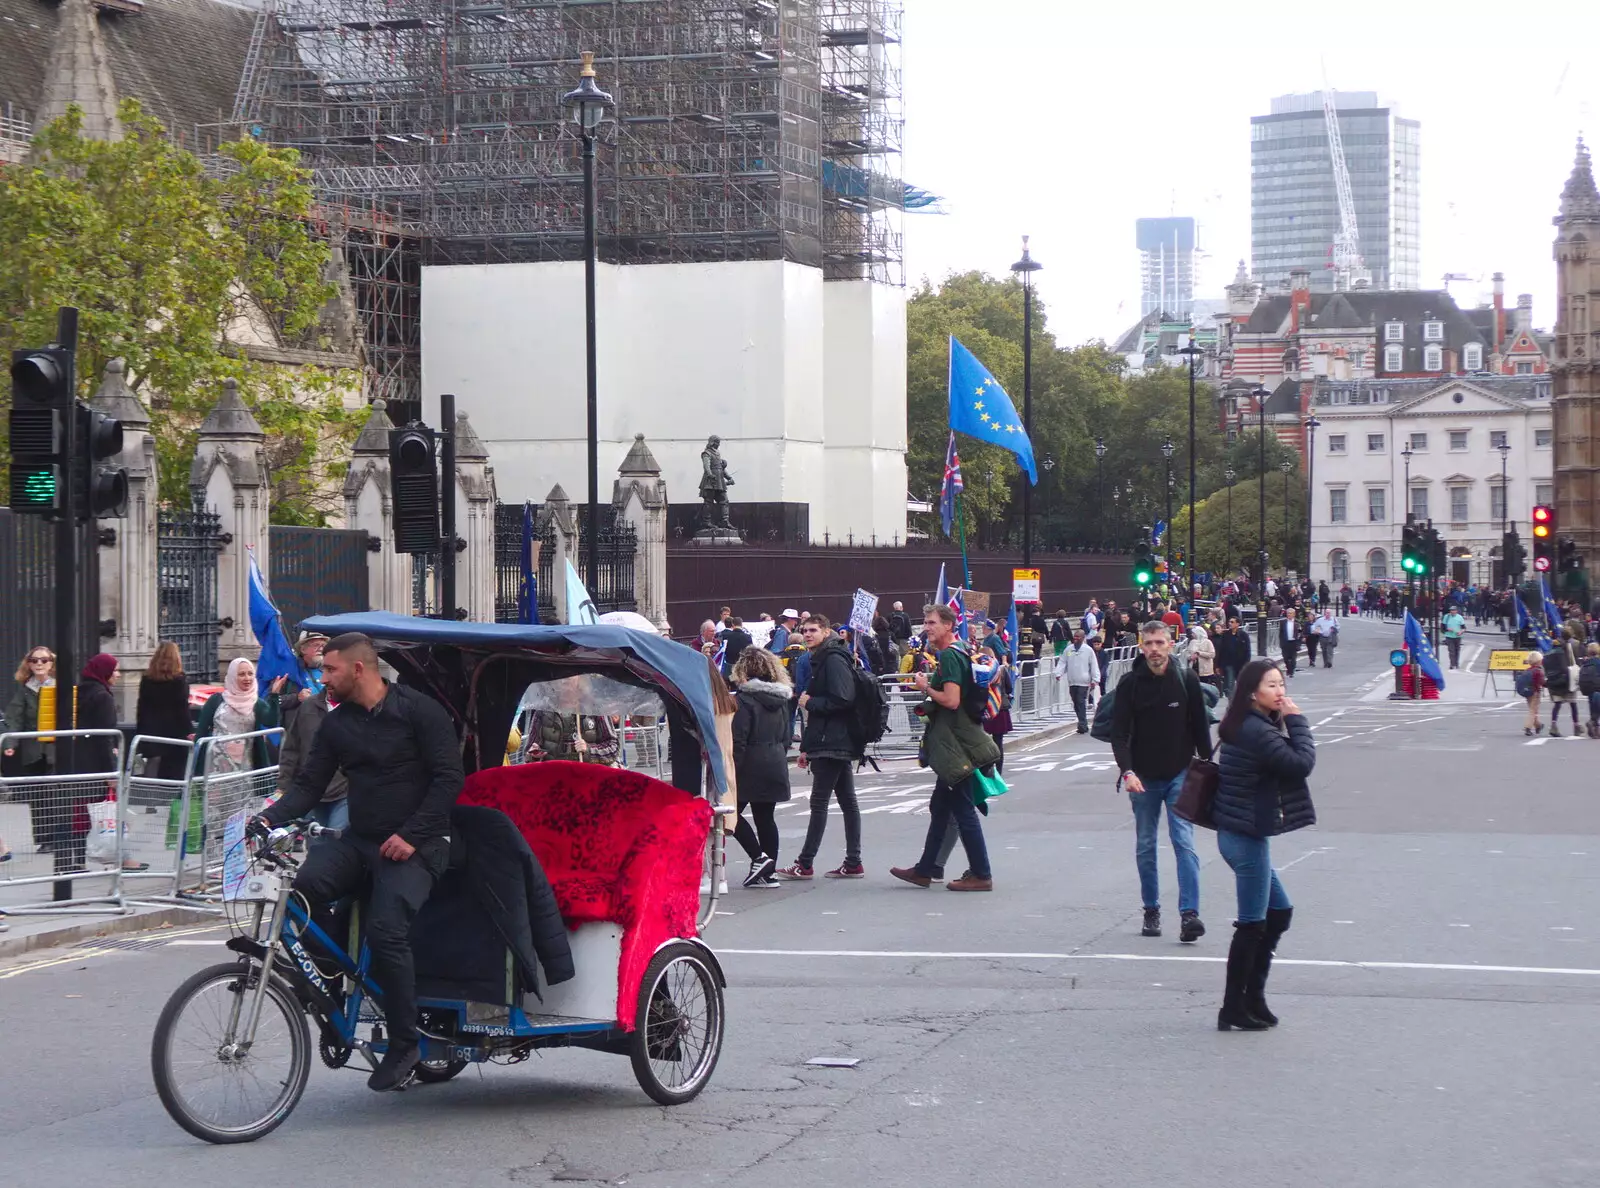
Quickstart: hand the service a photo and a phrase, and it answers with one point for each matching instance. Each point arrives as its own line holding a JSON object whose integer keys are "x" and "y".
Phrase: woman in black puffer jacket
{"x": 761, "y": 736}
{"x": 1267, "y": 753}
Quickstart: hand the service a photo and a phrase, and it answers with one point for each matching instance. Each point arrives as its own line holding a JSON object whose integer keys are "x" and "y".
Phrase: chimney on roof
{"x": 1499, "y": 311}
{"x": 1299, "y": 298}
{"x": 1524, "y": 311}
{"x": 79, "y": 71}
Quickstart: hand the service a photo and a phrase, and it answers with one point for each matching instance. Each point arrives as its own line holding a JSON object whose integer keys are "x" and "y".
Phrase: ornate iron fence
{"x": 508, "y": 520}
{"x": 187, "y": 546}
{"x": 612, "y": 589}
{"x": 27, "y": 588}
{"x": 317, "y": 571}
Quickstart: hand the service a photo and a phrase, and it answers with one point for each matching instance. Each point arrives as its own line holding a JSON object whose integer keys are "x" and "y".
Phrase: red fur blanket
{"x": 616, "y": 845}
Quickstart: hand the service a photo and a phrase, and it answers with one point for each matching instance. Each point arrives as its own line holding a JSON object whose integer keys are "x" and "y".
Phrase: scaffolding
{"x": 743, "y": 130}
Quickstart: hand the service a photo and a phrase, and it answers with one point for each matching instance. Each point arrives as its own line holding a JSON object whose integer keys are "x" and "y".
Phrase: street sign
{"x": 1507, "y": 661}
{"x": 1025, "y": 585}
{"x": 1398, "y": 658}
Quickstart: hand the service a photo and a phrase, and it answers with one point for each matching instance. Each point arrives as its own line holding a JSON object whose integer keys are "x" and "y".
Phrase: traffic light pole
{"x": 66, "y": 574}
{"x": 447, "y": 508}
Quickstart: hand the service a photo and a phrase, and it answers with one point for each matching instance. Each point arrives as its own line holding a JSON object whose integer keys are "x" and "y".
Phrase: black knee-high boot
{"x": 1255, "y": 996}
{"x": 1241, "y": 963}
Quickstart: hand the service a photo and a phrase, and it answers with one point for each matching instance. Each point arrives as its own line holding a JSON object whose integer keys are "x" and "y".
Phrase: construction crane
{"x": 1348, "y": 269}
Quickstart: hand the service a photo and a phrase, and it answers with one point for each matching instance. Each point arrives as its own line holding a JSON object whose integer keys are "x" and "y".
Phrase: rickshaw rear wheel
{"x": 678, "y": 1029}
{"x": 436, "y": 1072}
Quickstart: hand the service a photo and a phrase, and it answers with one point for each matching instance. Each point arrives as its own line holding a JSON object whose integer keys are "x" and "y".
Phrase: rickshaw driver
{"x": 398, "y": 749}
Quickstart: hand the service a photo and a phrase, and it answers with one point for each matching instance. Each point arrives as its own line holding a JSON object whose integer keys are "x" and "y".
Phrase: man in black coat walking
{"x": 1290, "y": 635}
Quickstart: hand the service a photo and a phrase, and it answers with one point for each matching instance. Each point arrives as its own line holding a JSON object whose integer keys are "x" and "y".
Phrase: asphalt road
{"x": 1440, "y": 995}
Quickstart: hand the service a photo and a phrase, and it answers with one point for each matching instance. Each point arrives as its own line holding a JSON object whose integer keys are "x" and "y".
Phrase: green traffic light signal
{"x": 34, "y": 488}
{"x": 1142, "y": 577}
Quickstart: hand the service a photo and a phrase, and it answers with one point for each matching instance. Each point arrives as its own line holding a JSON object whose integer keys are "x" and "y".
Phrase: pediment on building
{"x": 1442, "y": 401}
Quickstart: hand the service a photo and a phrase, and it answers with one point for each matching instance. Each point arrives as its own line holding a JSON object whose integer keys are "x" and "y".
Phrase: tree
{"x": 162, "y": 260}
{"x": 1211, "y": 527}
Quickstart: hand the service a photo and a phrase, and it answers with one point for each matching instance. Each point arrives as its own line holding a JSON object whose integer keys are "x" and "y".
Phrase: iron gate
{"x": 612, "y": 588}
{"x": 187, "y": 546}
{"x": 317, "y": 571}
{"x": 508, "y": 520}
{"x": 27, "y": 588}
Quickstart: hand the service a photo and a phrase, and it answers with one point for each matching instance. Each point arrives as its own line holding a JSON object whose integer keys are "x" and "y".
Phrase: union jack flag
{"x": 951, "y": 486}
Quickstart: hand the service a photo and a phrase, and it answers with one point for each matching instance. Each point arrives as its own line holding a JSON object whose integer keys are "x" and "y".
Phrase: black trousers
{"x": 341, "y": 866}
{"x": 831, "y": 778}
{"x": 1311, "y": 650}
{"x": 1291, "y": 654}
{"x": 763, "y": 838}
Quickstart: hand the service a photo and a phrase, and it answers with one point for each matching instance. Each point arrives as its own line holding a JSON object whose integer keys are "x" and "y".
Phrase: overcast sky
{"x": 1068, "y": 119}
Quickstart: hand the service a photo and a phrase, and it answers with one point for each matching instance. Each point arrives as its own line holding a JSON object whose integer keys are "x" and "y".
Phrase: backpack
{"x": 869, "y": 710}
{"x": 1524, "y": 683}
{"x": 1556, "y": 678}
{"x": 1589, "y": 676}
{"x": 1100, "y": 728}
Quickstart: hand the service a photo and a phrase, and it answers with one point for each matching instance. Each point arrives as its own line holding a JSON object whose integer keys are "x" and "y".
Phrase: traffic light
{"x": 41, "y": 398}
{"x": 102, "y": 491}
{"x": 1567, "y": 559}
{"x": 1437, "y": 552}
{"x": 1144, "y": 568}
{"x": 1411, "y": 551}
{"x": 1544, "y": 528}
{"x": 414, "y": 488}
{"x": 1513, "y": 557}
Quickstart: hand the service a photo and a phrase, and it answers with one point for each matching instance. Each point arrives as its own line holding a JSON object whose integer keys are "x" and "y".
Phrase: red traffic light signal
{"x": 1544, "y": 527}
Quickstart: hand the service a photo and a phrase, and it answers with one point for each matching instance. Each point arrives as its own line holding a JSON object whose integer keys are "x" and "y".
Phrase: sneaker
{"x": 394, "y": 1070}
{"x": 795, "y": 873}
{"x": 846, "y": 870}
{"x": 765, "y": 884}
{"x": 761, "y": 869}
{"x": 908, "y": 874}
{"x": 1190, "y": 929}
{"x": 1554, "y": 731}
{"x": 970, "y": 882}
{"x": 1152, "y": 922}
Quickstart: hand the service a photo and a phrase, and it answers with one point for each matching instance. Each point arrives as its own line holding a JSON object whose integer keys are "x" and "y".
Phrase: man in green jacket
{"x": 955, "y": 746}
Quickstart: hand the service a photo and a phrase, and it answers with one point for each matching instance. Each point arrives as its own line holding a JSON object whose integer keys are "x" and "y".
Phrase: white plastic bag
{"x": 101, "y": 844}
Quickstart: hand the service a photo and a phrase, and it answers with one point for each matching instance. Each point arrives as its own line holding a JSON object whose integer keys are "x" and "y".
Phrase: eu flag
{"x": 979, "y": 407}
{"x": 1421, "y": 652}
{"x": 277, "y": 657}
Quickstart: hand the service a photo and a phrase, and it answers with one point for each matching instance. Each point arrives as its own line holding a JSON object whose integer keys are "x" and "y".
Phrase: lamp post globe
{"x": 1024, "y": 269}
{"x": 1100, "y": 489}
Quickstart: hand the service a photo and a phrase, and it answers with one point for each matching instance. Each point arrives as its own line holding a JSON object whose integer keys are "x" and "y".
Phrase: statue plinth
{"x": 717, "y": 535}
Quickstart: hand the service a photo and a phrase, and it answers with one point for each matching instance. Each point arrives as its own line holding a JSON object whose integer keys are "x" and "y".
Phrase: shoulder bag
{"x": 1199, "y": 792}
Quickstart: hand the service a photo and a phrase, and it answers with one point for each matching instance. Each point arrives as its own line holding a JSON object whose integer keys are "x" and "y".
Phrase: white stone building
{"x": 1363, "y": 482}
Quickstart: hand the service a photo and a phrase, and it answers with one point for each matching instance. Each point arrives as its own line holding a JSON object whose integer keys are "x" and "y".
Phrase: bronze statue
{"x": 714, "y": 483}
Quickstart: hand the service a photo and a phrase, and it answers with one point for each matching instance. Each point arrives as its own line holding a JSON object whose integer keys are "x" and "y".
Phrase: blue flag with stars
{"x": 979, "y": 407}
{"x": 1421, "y": 652}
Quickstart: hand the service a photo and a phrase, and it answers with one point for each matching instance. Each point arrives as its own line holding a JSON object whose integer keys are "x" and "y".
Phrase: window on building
{"x": 1458, "y": 504}
{"x": 1541, "y": 439}
{"x": 1433, "y": 331}
{"x": 1394, "y": 358}
{"x": 1458, "y": 439}
{"x": 1433, "y": 359}
{"x": 1339, "y": 567}
{"x": 1497, "y": 503}
{"x": 1419, "y": 502}
{"x": 1419, "y": 443}
{"x": 1374, "y": 443}
{"x": 1497, "y": 438}
{"x": 1336, "y": 443}
{"x": 1472, "y": 356}
{"x": 1358, "y": 359}
{"x": 1544, "y": 493}
{"x": 1378, "y": 565}
{"x": 1524, "y": 368}
{"x": 1336, "y": 505}
{"x": 1394, "y": 332}
{"x": 1377, "y": 505}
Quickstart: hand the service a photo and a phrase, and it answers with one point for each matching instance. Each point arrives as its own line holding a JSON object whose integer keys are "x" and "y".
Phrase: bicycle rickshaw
{"x": 623, "y": 855}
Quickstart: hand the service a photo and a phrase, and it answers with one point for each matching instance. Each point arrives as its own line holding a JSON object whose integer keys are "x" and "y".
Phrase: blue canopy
{"x": 679, "y": 672}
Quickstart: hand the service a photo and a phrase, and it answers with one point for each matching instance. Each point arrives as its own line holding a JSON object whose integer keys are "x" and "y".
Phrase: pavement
{"x": 1439, "y": 991}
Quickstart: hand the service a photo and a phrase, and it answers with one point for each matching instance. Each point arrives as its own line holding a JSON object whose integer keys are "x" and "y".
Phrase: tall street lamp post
{"x": 1100, "y": 489}
{"x": 1193, "y": 352}
{"x": 1286, "y": 466}
{"x": 1048, "y": 465}
{"x": 1026, "y": 267}
{"x": 1228, "y": 476}
{"x": 588, "y": 104}
{"x": 1166, "y": 548}
{"x": 1505, "y": 511}
{"x": 1260, "y": 393}
{"x": 1312, "y": 425}
{"x": 1405, "y": 456}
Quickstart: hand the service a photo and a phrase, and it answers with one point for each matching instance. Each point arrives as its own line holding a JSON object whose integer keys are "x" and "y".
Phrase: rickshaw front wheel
{"x": 436, "y": 1072}
{"x": 678, "y": 1030}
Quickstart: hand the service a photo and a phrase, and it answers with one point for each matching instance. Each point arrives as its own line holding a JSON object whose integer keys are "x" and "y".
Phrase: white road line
{"x": 921, "y": 955}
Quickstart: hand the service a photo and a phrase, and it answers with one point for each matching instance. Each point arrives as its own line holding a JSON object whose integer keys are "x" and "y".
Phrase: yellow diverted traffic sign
{"x": 1025, "y": 585}
{"x": 1501, "y": 660}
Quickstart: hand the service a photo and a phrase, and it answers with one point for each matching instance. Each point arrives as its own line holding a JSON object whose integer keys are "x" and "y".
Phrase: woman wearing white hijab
{"x": 238, "y": 709}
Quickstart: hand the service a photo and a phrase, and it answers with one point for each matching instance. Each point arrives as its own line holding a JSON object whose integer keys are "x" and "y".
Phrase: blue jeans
{"x": 332, "y": 814}
{"x": 1146, "y": 819}
{"x": 949, "y": 803}
{"x": 1594, "y": 706}
{"x": 1257, "y": 883}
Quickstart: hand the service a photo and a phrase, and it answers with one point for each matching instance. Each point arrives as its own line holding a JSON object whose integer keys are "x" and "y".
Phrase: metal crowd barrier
{"x": 49, "y": 821}
{"x": 218, "y": 790}
{"x": 151, "y": 804}
{"x": 644, "y": 745}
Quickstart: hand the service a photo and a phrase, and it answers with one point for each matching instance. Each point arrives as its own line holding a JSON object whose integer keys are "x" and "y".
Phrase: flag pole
{"x": 961, "y": 526}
